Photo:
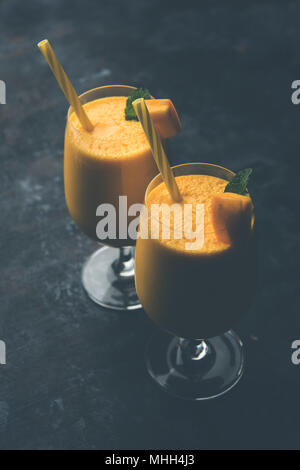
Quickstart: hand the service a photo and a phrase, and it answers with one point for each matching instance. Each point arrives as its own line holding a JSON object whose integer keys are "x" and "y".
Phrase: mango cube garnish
{"x": 232, "y": 217}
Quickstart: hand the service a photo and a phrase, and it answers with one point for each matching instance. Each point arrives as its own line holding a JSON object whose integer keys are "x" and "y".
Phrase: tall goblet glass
{"x": 196, "y": 296}
{"x": 113, "y": 160}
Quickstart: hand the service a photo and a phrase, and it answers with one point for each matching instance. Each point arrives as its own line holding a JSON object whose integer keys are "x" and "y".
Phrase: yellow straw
{"x": 159, "y": 154}
{"x": 65, "y": 84}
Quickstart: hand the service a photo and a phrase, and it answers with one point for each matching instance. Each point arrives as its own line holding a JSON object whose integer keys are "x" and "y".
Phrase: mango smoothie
{"x": 113, "y": 160}
{"x": 194, "y": 293}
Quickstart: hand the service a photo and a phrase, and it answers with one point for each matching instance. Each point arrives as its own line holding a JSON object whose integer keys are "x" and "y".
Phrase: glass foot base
{"x": 215, "y": 371}
{"x": 104, "y": 286}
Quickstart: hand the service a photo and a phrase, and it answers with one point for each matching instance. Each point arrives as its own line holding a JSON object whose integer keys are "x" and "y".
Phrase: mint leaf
{"x": 139, "y": 93}
{"x": 239, "y": 183}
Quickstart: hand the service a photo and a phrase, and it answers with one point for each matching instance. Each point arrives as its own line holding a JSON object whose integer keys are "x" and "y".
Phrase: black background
{"x": 75, "y": 377}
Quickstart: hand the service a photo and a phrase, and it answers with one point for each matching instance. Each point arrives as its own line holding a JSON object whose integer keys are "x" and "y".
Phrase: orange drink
{"x": 195, "y": 292}
{"x": 114, "y": 159}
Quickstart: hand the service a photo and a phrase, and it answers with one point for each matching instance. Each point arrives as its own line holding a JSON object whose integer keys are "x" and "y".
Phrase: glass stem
{"x": 124, "y": 266}
{"x": 192, "y": 350}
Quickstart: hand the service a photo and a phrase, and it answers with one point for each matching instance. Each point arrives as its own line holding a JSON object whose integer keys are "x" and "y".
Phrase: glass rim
{"x": 181, "y": 165}
{"x": 82, "y": 95}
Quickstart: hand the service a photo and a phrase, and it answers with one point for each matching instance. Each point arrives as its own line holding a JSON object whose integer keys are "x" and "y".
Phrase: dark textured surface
{"x": 75, "y": 376}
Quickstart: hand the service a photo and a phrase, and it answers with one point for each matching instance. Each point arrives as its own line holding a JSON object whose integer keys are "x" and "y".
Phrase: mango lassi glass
{"x": 195, "y": 294}
{"x": 113, "y": 160}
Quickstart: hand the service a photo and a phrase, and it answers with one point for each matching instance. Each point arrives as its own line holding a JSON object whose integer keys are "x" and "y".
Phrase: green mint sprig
{"x": 139, "y": 93}
{"x": 239, "y": 183}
